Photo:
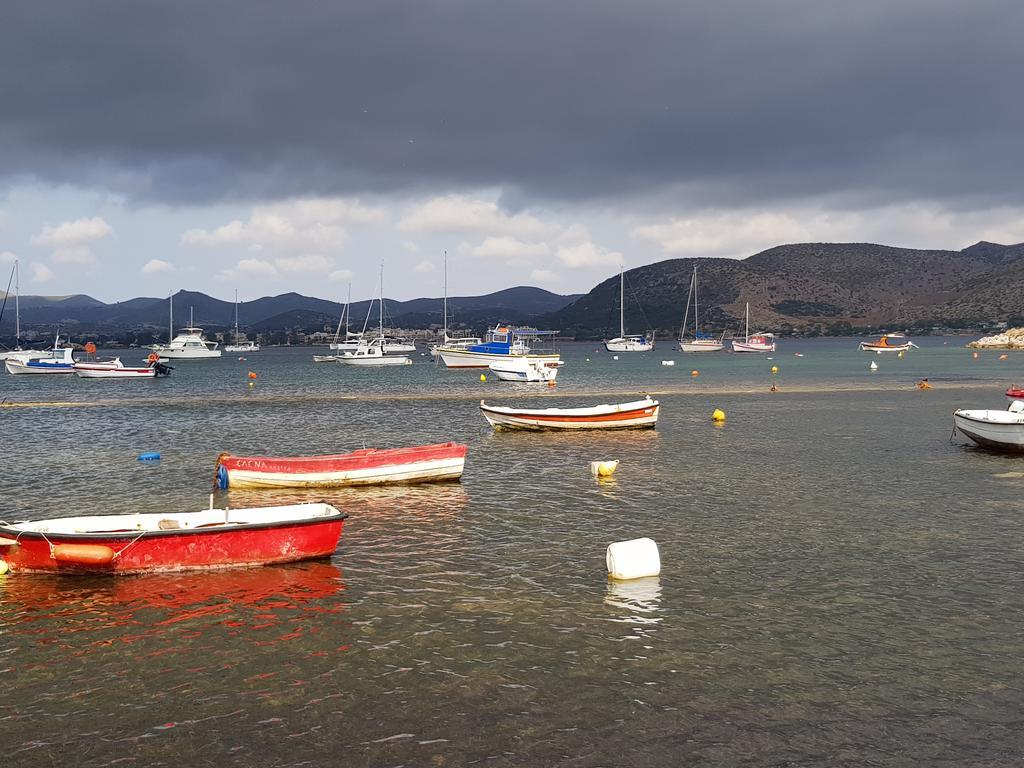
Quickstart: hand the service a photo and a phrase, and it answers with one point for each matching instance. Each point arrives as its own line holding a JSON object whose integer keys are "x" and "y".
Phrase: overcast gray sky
{"x": 275, "y": 146}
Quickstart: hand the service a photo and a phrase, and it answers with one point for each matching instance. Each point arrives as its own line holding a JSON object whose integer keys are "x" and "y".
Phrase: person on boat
{"x": 923, "y": 384}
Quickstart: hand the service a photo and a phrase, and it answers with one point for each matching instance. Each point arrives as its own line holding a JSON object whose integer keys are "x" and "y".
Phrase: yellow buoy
{"x": 483, "y": 377}
{"x": 4, "y": 567}
{"x": 695, "y": 373}
{"x": 603, "y": 468}
{"x": 775, "y": 369}
{"x": 252, "y": 384}
{"x": 718, "y": 415}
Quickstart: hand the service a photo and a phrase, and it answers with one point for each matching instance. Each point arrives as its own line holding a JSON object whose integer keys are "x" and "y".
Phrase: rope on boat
{"x": 130, "y": 543}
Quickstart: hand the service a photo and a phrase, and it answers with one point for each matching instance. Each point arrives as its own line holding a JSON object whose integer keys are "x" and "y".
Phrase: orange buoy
{"x": 695, "y": 373}
{"x": 153, "y": 357}
{"x": 83, "y": 554}
{"x": 90, "y": 348}
{"x": 252, "y": 374}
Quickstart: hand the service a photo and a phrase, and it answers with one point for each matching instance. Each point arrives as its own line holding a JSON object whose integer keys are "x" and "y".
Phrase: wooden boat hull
{"x": 422, "y": 464}
{"x": 1001, "y": 430}
{"x": 865, "y": 347}
{"x": 87, "y": 371}
{"x": 375, "y": 361}
{"x": 743, "y": 346}
{"x": 209, "y": 539}
{"x": 18, "y": 367}
{"x": 701, "y": 346}
{"x": 642, "y": 414}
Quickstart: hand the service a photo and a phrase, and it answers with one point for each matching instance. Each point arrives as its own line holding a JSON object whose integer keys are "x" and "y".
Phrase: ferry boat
{"x": 502, "y": 344}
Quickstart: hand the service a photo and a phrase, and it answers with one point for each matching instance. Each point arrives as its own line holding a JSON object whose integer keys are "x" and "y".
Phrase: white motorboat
{"x": 502, "y": 344}
{"x": 397, "y": 345}
{"x": 699, "y": 342}
{"x": 759, "y": 342}
{"x": 372, "y": 353}
{"x": 24, "y": 355}
{"x": 115, "y": 369}
{"x": 240, "y": 346}
{"x": 61, "y": 360}
{"x": 1003, "y": 430}
{"x": 325, "y": 358}
{"x": 624, "y": 343}
{"x": 525, "y": 369}
{"x": 187, "y": 345}
{"x": 902, "y": 344}
{"x": 639, "y": 414}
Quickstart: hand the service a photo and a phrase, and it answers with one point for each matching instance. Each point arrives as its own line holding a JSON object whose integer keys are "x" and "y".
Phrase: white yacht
{"x": 187, "y": 345}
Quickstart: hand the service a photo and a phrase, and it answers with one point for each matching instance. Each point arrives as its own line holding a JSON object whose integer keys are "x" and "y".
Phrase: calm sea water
{"x": 841, "y": 584}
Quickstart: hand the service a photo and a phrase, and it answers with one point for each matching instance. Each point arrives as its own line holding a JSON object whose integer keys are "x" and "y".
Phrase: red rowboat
{"x": 642, "y": 413}
{"x": 1016, "y": 393}
{"x": 212, "y": 538}
{"x": 370, "y": 466}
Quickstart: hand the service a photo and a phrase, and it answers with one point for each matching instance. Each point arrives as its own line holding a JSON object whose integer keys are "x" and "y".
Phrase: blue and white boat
{"x": 502, "y": 344}
{"x": 61, "y": 360}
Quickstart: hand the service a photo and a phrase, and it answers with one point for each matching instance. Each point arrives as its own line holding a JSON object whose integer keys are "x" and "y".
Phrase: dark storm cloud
{"x": 564, "y": 100}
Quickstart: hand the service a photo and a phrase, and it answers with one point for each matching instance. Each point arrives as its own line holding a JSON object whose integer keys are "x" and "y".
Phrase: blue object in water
{"x": 222, "y": 477}
{"x": 152, "y": 456}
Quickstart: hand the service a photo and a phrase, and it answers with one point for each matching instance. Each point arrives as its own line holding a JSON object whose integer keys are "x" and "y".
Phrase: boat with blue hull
{"x": 502, "y": 344}
{"x": 61, "y": 360}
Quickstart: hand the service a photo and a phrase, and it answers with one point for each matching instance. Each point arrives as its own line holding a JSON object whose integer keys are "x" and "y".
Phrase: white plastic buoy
{"x": 668, "y": 362}
{"x": 615, "y": 357}
{"x": 874, "y": 366}
{"x": 604, "y": 468}
{"x": 634, "y": 559}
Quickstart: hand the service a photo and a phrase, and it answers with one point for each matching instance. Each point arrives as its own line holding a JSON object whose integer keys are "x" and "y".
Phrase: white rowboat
{"x": 639, "y": 414}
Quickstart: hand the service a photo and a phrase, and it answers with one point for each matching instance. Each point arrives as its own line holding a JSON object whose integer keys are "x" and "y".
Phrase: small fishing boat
{"x": 370, "y": 466}
{"x": 1003, "y": 430}
{"x": 60, "y": 360}
{"x": 759, "y": 342}
{"x": 142, "y": 542}
{"x": 1015, "y": 393}
{"x": 502, "y": 344}
{"x": 885, "y": 345}
{"x": 639, "y": 414}
{"x": 325, "y": 358}
{"x": 526, "y": 369}
{"x": 115, "y": 369}
{"x": 622, "y": 342}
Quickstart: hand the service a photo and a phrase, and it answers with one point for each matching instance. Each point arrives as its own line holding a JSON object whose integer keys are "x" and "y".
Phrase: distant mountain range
{"x": 80, "y": 313}
{"x": 828, "y": 287}
{"x": 816, "y": 287}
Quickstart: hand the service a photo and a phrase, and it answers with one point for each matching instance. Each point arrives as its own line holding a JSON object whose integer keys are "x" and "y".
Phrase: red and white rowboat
{"x": 639, "y": 414}
{"x": 113, "y": 369}
{"x": 370, "y": 466}
{"x": 212, "y": 538}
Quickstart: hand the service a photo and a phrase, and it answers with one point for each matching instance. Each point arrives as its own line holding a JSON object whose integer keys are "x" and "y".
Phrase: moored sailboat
{"x": 624, "y": 343}
{"x": 240, "y": 346}
{"x": 699, "y": 342}
{"x": 759, "y": 342}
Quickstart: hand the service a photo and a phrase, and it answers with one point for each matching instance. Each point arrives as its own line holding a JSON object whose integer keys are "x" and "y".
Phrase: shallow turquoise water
{"x": 841, "y": 584}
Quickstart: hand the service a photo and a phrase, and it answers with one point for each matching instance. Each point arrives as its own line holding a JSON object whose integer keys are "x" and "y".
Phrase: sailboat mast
{"x": 170, "y": 324}
{"x": 696, "y": 321}
{"x": 17, "y": 306}
{"x": 382, "y": 301}
{"x": 236, "y": 316}
{"x": 622, "y": 300}
{"x": 446, "y": 296}
{"x": 348, "y": 310}
{"x": 746, "y": 330}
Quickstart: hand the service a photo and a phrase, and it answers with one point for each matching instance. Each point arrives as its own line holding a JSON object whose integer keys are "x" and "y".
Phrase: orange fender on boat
{"x": 83, "y": 554}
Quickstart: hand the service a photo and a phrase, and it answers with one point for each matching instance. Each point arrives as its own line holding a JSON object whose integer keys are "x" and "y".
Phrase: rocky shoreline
{"x": 1012, "y": 338}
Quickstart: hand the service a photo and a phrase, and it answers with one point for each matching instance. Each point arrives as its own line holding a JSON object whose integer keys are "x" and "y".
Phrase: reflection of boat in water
{"x": 264, "y": 595}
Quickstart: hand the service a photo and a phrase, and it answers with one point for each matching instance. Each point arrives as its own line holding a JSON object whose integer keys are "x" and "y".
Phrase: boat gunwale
{"x": 640, "y": 405}
{"x": 455, "y": 450}
{"x": 215, "y": 528}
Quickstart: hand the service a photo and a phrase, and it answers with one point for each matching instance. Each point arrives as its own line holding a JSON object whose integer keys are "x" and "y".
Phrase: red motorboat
{"x": 136, "y": 543}
{"x": 370, "y": 466}
{"x": 1017, "y": 393}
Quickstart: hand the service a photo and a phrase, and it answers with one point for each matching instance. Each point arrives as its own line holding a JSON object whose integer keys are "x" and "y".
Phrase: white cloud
{"x": 424, "y": 267}
{"x": 156, "y": 266}
{"x": 460, "y": 214}
{"x": 79, "y": 255}
{"x": 310, "y": 263}
{"x": 727, "y": 233}
{"x": 410, "y": 247}
{"x": 340, "y": 274}
{"x": 40, "y": 272}
{"x": 255, "y": 267}
{"x": 543, "y": 275}
{"x": 296, "y": 226}
{"x": 73, "y": 234}
{"x": 7, "y": 257}
{"x": 509, "y": 249}
{"x": 587, "y": 254}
